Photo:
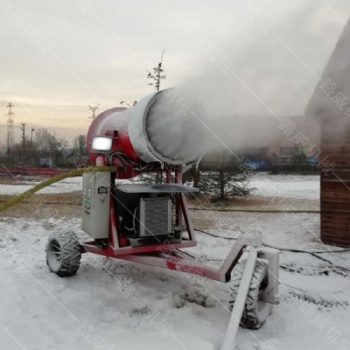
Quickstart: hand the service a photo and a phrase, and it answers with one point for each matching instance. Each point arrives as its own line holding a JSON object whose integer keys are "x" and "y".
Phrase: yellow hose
{"x": 50, "y": 181}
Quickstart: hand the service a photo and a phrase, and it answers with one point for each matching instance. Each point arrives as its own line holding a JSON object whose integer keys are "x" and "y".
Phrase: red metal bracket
{"x": 168, "y": 256}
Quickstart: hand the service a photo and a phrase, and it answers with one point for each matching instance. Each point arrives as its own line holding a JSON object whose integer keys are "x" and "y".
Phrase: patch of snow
{"x": 115, "y": 304}
{"x": 286, "y": 186}
{"x": 72, "y": 184}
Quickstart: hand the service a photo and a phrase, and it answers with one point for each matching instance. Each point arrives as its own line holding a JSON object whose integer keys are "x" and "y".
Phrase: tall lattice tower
{"x": 10, "y": 128}
{"x": 93, "y": 109}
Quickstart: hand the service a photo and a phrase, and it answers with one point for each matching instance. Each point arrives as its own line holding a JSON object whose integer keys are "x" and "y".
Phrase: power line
{"x": 61, "y": 108}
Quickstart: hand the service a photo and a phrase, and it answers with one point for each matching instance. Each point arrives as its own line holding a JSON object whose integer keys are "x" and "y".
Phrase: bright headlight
{"x": 101, "y": 144}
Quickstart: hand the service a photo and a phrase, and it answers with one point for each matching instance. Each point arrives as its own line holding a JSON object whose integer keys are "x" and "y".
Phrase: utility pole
{"x": 93, "y": 109}
{"x": 31, "y": 136}
{"x": 10, "y": 128}
{"x": 23, "y": 128}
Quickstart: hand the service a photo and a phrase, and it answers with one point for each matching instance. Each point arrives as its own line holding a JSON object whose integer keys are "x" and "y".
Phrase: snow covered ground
{"x": 113, "y": 304}
{"x": 72, "y": 184}
{"x": 287, "y": 186}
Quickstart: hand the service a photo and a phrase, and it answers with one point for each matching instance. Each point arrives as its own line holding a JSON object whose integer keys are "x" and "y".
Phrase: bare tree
{"x": 44, "y": 139}
{"x": 79, "y": 144}
{"x": 59, "y": 151}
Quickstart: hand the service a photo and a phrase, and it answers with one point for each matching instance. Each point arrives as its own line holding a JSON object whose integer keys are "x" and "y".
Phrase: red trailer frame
{"x": 167, "y": 255}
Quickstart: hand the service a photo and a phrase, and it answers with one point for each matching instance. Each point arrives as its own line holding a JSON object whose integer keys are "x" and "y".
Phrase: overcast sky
{"x": 59, "y": 56}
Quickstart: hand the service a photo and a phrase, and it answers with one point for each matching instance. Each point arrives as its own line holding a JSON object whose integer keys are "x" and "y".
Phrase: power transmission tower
{"x": 93, "y": 109}
{"x": 10, "y": 128}
{"x": 156, "y": 79}
{"x": 157, "y": 75}
{"x": 23, "y": 128}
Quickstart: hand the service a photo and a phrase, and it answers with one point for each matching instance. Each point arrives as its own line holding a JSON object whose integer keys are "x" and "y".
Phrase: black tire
{"x": 255, "y": 311}
{"x": 63, "y": 254}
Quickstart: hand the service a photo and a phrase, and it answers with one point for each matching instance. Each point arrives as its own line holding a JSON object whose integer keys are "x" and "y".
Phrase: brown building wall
{"x": 335, "y": 182}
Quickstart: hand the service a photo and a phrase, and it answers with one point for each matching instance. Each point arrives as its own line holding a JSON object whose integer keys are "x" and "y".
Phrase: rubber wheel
{"x": 63, "y": 254}
{"x": 255, "y": 311}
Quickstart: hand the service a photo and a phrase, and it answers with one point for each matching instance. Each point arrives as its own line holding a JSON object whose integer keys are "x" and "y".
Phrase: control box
{"x": 96, "y": 204}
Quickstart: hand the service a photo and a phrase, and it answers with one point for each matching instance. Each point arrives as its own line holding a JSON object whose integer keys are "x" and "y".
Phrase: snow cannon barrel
{"x": 162, "y": 127}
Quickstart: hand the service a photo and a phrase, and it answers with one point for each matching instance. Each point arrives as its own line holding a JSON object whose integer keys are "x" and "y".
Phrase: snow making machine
{"x": 150, "y": 223}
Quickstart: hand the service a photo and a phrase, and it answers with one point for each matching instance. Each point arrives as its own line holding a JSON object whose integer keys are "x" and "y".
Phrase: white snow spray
{"x": 255, "y": 80}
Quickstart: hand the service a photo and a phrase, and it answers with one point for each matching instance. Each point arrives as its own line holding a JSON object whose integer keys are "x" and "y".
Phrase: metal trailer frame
{"x": 168, "y": 255}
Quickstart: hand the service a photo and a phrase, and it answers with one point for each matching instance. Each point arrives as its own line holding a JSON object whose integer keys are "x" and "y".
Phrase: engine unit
{"x": 155, "y": 216}
{"x": 144, "y": 213}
